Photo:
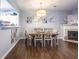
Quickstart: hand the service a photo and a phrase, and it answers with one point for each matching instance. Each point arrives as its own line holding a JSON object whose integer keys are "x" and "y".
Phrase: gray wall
{"x": 75, "y": 11}
{"x": 57, "y": 22}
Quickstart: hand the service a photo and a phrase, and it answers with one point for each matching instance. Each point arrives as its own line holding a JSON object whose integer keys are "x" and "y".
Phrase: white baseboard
{"x": 71, "y": 41}
{"x": 9, "y": 50}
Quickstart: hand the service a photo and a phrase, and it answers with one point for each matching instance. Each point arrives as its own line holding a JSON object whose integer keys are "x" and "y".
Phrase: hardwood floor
{"x": 64, "y": 51}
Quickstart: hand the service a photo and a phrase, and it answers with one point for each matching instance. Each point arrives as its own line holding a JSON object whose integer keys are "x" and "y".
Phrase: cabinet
{"x": 9, "y": 19}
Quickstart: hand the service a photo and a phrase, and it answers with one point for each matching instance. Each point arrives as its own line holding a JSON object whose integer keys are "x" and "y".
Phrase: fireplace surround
{"x": 70, "y": 33}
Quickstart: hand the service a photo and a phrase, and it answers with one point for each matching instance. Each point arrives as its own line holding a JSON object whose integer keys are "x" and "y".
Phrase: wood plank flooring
{"x": 64, "y": 51}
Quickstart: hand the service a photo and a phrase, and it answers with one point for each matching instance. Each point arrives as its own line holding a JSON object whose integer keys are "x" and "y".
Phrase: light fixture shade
{"x": 41, "y": 12}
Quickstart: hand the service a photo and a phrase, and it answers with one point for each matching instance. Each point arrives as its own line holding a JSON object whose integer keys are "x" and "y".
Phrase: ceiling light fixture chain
{"x": 41, "y": 11}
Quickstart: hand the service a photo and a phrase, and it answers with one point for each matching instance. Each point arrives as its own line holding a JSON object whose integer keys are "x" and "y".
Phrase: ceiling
{"x": 47, "y": 4}
{"x": 4, "y": 5}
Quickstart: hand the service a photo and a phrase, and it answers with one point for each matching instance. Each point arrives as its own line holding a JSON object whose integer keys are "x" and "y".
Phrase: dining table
{"x": 43, "y": 33}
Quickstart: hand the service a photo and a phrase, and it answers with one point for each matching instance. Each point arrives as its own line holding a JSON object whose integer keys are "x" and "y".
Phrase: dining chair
{"x": 22, "y": 34}
{"x": 59, "y": 41}
{"x": 48, "y": 37}
{"x": 55, "y": 36}
{"x": 29, "y": 38}
{"x": 38, "y": 37}
{"x": 54, "y": 40}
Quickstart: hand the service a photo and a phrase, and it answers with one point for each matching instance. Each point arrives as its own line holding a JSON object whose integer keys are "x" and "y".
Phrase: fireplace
{"x": 73, "y": 35}
{"x": 70, "y": 33}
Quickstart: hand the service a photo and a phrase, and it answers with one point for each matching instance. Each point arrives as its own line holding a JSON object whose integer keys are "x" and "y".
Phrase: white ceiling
{"x": 47, "y": 4}
{"x": 5, "y": 5}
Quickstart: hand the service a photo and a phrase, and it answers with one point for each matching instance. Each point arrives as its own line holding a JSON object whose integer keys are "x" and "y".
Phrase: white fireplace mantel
{"x": 67, "y": 28}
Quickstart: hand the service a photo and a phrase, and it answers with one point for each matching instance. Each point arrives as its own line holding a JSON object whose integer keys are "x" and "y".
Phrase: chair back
{"x": 47, "y": 36}
{"x": 39, "y": 36}
{"x": 27, "y": 35}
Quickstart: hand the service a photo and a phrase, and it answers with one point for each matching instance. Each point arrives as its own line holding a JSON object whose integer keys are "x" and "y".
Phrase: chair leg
{"x": 30, "y": 42}
{"x": 51, "y": 43}
{"x": 35, "y": 43}
{"x": 44, "y": 43}
{"x": 57, "y": 41}
{"x": 48, "y": 41}
{"x": 25, "y": 42}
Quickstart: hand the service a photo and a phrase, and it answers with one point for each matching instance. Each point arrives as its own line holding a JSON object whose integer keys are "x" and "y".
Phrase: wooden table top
{"x": 43, "y": 33}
